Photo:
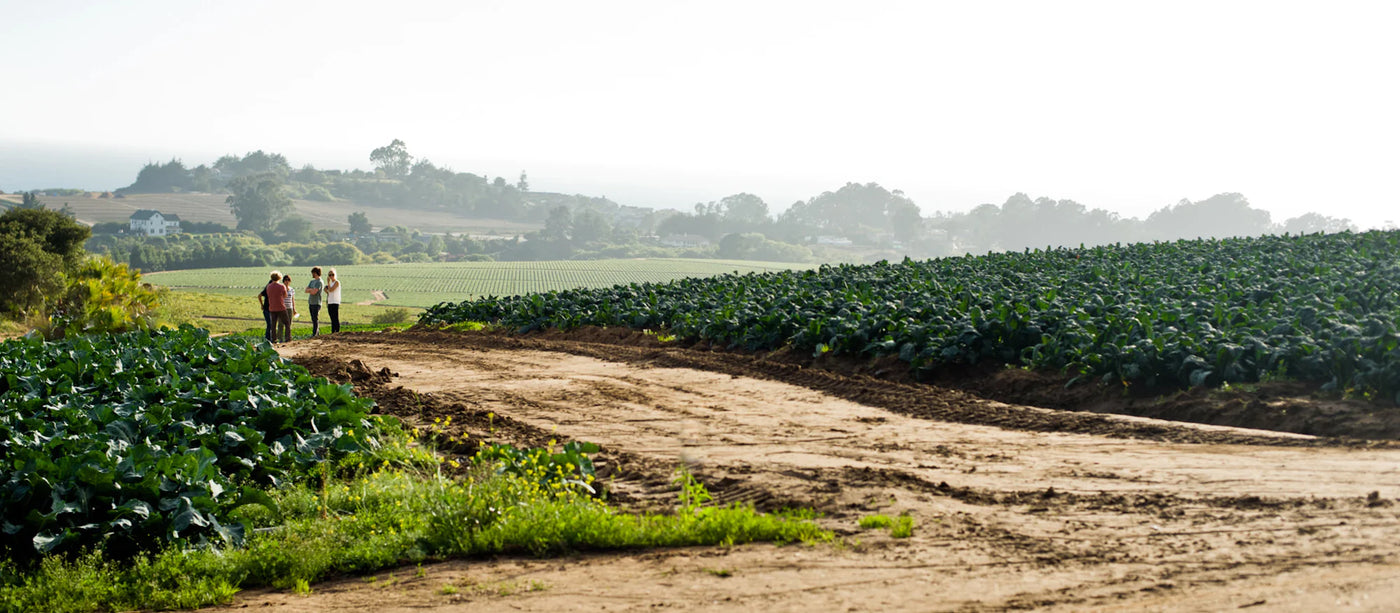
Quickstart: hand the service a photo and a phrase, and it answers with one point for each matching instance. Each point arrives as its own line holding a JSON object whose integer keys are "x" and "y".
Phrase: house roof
{"x": 144, "y": 214}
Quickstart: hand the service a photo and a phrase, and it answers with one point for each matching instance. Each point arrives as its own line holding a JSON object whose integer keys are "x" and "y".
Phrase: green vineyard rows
{"x": 1317, "y": 308}
{"x": 429, "y": 284}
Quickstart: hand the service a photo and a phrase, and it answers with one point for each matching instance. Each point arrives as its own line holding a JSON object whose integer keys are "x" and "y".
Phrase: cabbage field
{"x": 1320, "y": 308}
{"x": 147, "y": 438}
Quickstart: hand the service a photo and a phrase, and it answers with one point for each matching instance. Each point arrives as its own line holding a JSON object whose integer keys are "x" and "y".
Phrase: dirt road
{"x": 1015, "y": 507}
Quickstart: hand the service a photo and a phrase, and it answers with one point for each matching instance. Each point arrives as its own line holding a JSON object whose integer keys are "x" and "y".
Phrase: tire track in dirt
{"x": 921, "y": 401}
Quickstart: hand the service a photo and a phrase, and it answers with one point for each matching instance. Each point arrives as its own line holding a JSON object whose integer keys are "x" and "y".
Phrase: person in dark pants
{"x": 291, "y": 307}
{"x": 267, "y": 314}
{"x": 333, "y": 300}
{"x": 278, "y": 299}
{"x": 315, "y": 288}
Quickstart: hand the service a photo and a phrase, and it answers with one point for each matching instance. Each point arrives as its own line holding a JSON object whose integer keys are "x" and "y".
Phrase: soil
{"x": 375, "y": 296}
{"x": 1015, "y": 506}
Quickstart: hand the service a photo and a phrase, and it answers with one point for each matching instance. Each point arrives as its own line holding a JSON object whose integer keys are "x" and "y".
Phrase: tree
{"x": 558, "y": 224}
{"x": 738, "y": 245}
{"x": 436, "y": 246}
{"x": 744, "y": 210}
{"x": 294, "y": 229}
{"x": 906, "y": 222}
{"x": 393, "y": 159}
{"x": 52, "y": 231}
{"x": 255, "y": 163}
{"x": 1311, "y": 223}
{"x": 523, "y": 184}
{"x": 258, "y": 202}
{"x": 856, "y": 210}
{"x": 590, "y": 227}
{"x": 158, "y": 178}
{"x": 37, "y": 247}
{"x": 30, "y": 200}
{"x": 1219, "y": 216}
{"x": 29, "y": 274}
{"x": 359, "y": 223}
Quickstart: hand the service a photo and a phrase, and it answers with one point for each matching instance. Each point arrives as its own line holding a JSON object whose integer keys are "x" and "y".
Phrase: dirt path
{"x": 1016, "y": 507}
{"x": 378, "y": 296}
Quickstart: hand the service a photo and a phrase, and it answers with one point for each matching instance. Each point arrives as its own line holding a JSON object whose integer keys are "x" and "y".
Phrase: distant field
{"x": 232, "y": 313}
{"x": 212, "y": 207}
{"x": 424, "y": 285}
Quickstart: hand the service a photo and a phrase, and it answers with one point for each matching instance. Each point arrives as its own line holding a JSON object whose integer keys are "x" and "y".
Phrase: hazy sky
{"x": 1121, "y": 105}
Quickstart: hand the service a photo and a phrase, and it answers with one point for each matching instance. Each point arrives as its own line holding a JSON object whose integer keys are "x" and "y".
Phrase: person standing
{"x": 267, "y": 314}
{"x": 290, "y": 302}
{"x": 314, "y": 288}
{"x": 277, "y": 306}
{"x": 333, "y": 300}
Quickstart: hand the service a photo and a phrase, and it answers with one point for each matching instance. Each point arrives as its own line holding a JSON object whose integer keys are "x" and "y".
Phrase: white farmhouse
{"x": 154, "y": 223}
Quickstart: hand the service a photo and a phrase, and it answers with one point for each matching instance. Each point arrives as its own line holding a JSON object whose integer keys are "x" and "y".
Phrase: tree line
{"x": 856, "y": 221}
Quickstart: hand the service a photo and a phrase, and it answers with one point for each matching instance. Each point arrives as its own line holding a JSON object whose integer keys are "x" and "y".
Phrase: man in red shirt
{"x": 277, "y": 307}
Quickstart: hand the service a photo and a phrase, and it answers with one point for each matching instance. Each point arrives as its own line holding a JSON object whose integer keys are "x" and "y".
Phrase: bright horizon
{"x": 1119, "y": 106}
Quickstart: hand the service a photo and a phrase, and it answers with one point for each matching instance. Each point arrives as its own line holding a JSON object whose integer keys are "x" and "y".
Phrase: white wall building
{"x": 687, "y": 241}
{"x": 154, "y": 223}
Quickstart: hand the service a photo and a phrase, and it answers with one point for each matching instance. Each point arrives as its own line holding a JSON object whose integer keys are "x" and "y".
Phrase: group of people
{"x": 279, "y": 304}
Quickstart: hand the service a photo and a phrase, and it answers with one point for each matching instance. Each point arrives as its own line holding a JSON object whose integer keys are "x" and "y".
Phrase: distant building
{"x": 688, "y": 241}
{"x": 154, "y": 223}
{"x": 836, "y": 241}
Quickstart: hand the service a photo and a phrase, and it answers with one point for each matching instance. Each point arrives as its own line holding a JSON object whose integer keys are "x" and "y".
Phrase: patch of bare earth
{"x": 1015, "y": 507}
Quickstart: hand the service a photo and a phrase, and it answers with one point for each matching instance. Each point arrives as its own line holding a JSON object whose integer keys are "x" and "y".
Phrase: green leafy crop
{"x": 130, "y": 441}
{"x": 1321, "y": 308}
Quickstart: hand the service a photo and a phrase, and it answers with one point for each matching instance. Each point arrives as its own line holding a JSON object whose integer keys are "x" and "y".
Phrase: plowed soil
{"x": 1015, "y": 507}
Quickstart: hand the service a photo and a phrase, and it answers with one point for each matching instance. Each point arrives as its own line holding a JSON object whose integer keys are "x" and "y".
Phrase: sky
{"x": 1126, "y": 106}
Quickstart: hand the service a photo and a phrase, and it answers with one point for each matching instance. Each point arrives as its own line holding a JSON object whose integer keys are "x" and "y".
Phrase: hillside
{"x": 202, "y": 207}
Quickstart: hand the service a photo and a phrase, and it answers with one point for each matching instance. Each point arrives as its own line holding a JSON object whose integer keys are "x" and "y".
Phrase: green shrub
{"x": 100, "y": 297}
{"x": 872, "y": 522}
{"x": 390, "y": 316}
{"x": 903, "y": 527}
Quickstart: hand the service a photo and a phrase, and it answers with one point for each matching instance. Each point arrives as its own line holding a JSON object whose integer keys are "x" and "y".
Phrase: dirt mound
{"x": 354, "y": 371}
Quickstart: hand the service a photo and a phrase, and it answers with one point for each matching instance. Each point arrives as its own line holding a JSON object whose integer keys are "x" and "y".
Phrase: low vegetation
{"x": 1187, "y": 313}
{"x": 161, "y": 469}
{"x": 151, "y": 437}
{"x": 423, "y": 285}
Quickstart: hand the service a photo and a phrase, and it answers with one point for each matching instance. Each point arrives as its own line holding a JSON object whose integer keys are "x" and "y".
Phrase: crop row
{"x": 1318, "y": 308}
{"x": 137, "y": 439}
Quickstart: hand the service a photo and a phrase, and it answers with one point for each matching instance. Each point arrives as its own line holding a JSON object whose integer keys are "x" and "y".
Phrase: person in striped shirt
{"x": 290, "y": 304}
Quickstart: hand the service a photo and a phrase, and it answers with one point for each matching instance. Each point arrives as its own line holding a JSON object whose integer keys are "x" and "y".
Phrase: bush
{"x": 318, "y": 193}
{"x": 110, "y": 227}
{"x": 390, "y": 316}
{"x": 101, "y": 297}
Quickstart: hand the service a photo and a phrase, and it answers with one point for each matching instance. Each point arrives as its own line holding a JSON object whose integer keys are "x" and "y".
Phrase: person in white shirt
{"x": 333, "y": 300}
